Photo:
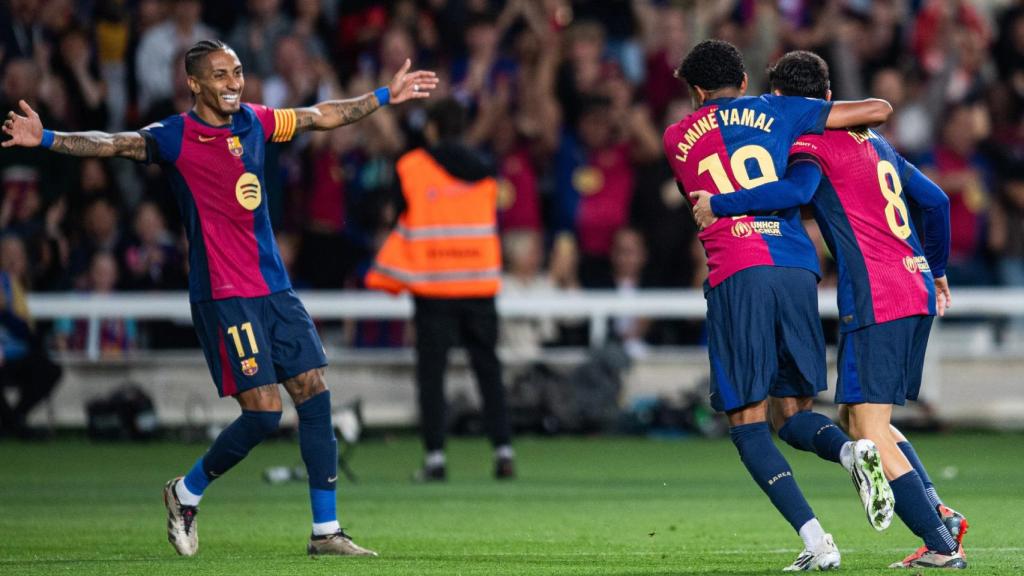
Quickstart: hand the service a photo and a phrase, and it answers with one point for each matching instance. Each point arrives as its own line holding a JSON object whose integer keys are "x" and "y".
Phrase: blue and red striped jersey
{"x": 733, "y": 144}
{"x": 216, "y": 173}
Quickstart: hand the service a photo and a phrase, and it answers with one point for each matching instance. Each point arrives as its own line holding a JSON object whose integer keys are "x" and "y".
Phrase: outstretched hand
{"x": 702, "y": 213}
{"x": 24, "y": 130}
{"x": 411, "y": 85}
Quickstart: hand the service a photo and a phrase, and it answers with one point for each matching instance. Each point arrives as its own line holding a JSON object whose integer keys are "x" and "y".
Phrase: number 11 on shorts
{"x": 233, "y": 331}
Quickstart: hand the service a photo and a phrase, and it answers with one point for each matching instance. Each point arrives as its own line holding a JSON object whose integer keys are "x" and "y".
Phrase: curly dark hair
{"x": 196, "y": 55}
{"x": 450, "y": 118}
{"x": 800, "y": 73}
{"x": 711, "y": 65}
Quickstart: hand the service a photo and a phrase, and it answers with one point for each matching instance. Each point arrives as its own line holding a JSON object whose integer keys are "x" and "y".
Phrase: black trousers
{"x": 442, "y": 323}
{"x": 35, "y": 376}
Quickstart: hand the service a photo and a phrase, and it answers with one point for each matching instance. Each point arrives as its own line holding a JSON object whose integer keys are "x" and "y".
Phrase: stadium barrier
{"x": 596, "y": 305}
{"x": 974, "y": 374}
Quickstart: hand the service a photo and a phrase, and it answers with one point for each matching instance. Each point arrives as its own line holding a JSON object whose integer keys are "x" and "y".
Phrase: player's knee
{"x": 306, "y": 385}
{"x": 265, "y": 423}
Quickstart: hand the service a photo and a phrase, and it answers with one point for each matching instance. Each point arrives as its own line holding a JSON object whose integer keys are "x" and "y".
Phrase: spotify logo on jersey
{"x": 247, "y": 191}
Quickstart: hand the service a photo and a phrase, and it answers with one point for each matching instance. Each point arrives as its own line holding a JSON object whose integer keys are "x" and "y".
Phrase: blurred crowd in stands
{"x": 568, "y": 100}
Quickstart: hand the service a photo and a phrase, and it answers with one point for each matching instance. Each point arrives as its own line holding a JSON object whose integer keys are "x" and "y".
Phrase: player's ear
{"x": 743, "y": 85}
{"x": 697, "y": 96}
{"x": 828, "y": 95}
{"x": 777, "y": 92}
{"x": 193, "y": 85}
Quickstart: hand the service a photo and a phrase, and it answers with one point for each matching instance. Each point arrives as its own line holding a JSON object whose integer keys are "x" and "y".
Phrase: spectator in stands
{"x": 116, "y": 335}
{"x": 595, "y": 176}
{"x": 665, "y": 50}
{"x": 79, "y": 72}
{"x": 24, "y": 362}
{"x": 1008, "y": 232}
{"x": 255, "y": 37}
{"x": 629, "y": 257}
{"x": 154, "y": 61}
{"x": 151, "y": 259}
{"x": 22, "y": 168}
{"x": 563, "y": 269}
{"x": 312, "y": 28}
{"x": 484, "y": 64}
{"x": 909, "y": 128}
{"x": 20, "y": 30}
{"x": 965, "y": 174}
{"x": 101, "y": 234}
{"x": 521, "y": 339}
{"x": 298, "y": 79}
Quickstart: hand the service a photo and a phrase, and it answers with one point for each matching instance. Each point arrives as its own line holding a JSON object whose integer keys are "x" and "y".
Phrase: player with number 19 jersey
{"x": 764, "y": 336}
{"x": 732, "y": 144}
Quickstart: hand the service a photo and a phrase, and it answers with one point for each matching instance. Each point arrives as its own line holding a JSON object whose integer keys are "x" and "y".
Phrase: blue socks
{"x": 929, "y": 488}
{"x": 233, "y": 443}
{"x": 320, "y": 453}
{"x": 914, "y": 510}
{"x": 771, "y": 471}
{"x": 812, "y": 432}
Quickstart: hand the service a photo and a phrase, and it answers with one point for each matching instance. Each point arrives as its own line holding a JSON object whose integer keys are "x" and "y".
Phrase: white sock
{"x": 504, "y": 452}
{"x": 434, "y": 459}
{"x": 323, "y": 528}
{"x": 184, "y": 496}
{"x": 846, "y": 456}
{"x": 812, "y": 533}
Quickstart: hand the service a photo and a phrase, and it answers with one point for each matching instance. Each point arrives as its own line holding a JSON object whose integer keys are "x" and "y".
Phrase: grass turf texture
{"x": 581, "y": 506}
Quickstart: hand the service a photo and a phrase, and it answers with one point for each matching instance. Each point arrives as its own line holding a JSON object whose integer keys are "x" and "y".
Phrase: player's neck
{"x": 211, "y": 116}
{"x": 722, "y": 93}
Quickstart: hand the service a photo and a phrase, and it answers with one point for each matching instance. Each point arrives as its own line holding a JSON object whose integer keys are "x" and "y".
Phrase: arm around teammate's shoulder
{"x": 28, "y": 131}
{"x": 852, "y": 114}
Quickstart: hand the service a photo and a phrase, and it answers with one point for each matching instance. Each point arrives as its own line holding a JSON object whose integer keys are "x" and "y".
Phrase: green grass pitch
{"x": 581, "y": 506}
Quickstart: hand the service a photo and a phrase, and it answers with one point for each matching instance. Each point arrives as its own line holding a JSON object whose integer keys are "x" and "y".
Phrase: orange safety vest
{"x": 446, "y": 242}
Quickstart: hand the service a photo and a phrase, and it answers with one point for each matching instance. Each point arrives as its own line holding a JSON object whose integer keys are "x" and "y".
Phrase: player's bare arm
{"x": 27, "y": 131}
{"x": 332, "y": 114}
{"x": 851, "y": 114}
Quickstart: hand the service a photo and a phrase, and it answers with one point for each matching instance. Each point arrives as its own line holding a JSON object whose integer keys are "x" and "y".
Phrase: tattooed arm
{"x": 334, "y": 113}
{"x": 124, "y": 144}
{"x": 27, "y": 131}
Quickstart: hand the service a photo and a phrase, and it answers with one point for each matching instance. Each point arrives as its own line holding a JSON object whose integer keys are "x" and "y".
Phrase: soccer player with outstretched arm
{"x": 765, "y": 342}
{"x": 891, "y": 285}
{"x": 254, "y": 331}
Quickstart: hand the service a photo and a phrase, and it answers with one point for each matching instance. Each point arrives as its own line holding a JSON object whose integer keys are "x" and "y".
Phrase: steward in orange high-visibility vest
{"x": 445, "y": 251}
{"x": 445, "y": 244}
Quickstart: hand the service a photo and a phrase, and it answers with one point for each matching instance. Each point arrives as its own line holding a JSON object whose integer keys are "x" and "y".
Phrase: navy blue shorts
{"x": 882, "y": 363}
{"x": 250, "y": 342}
{"x": 764, "y": 337}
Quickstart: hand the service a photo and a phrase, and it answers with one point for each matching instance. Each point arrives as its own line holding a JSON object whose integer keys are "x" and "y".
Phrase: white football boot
{"x": 182, "y": 530}
{"x": 824, "y": 556}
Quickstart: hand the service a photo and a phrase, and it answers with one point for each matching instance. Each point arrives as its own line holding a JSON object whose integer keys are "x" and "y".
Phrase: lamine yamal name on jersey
{"x": 730, "y": 117}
